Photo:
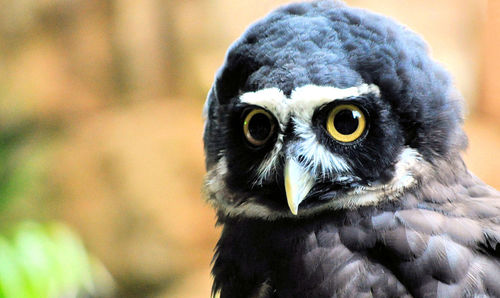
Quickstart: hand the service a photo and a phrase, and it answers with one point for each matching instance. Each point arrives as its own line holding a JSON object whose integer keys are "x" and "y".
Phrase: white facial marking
{"x": 406, "y": 171}
{"x": 306, "y": 99}
{"x": 268, "y": 165}
{"x": 271, "y": 99}
{"x": 316, "y": 156}
{"x": 404, "y": 177}
{"x": 214, "y": 182}
{"x": 299, "y": 108}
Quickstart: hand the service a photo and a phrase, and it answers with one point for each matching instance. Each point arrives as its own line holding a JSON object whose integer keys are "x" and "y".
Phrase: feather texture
{"x": 411, "y": 247}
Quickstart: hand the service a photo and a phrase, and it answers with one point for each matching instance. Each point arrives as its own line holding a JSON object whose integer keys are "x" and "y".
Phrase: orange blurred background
{"x": 103, "y": 101}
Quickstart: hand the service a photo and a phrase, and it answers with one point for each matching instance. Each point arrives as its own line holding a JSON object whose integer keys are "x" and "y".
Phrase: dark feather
{"x": 405, "y": 250}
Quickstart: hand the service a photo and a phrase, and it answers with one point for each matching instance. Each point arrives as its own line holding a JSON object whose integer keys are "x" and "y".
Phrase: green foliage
{"x": 39, "y": 261}
{"x": 16, "y": 169}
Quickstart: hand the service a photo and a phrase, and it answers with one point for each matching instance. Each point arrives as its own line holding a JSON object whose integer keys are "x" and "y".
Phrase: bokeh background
{"x": 101, "y": 127}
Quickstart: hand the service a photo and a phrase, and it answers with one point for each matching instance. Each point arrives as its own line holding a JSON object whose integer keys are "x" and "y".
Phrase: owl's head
{"x": 320, "y": 106}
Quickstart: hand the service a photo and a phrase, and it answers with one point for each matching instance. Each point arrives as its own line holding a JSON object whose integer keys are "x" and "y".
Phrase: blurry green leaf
{"x": 30, "y": 245}
{"x": 16, "y": 171}
{"x": 40, "y": 261}
{"x": 72, "y": 260}
{"x": 11, "y": 281}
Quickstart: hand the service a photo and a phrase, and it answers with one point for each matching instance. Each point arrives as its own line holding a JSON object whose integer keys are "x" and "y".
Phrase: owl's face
{"x": 319, "y": 112}
{"x": 321, "y": 147}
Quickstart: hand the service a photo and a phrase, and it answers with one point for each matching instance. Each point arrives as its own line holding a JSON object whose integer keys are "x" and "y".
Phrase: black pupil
{"x": 259, "y": 127}
{"x": 346, "y": 122}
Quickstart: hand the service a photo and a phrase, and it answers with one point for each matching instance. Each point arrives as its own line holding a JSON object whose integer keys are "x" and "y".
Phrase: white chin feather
{"x": 408, "y": 170}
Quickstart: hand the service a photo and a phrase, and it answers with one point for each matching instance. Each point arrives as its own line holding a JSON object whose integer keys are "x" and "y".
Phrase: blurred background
{"x": 101, "y": 159}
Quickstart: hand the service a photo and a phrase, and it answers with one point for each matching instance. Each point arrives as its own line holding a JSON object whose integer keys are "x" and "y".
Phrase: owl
{"x": 333, "y": 151}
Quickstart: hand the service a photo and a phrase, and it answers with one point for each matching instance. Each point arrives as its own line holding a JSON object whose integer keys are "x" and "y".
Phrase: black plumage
{"x": 393, "y": 212}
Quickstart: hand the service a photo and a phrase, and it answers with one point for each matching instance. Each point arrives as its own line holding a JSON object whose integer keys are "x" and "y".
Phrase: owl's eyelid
{"x": 321, "y": 113}
{"x": 245, "y": 108}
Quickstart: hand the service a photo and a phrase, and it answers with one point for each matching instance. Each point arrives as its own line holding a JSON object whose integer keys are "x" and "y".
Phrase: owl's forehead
{"x": 290, "y": 69}
{"x": 304, "y": 100}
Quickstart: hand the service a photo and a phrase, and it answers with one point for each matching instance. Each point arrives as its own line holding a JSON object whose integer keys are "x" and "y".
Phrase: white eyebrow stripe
{"x": 315, "y": 92}
{"x": 271, "y": 99}
{"x": 306, "y": 99}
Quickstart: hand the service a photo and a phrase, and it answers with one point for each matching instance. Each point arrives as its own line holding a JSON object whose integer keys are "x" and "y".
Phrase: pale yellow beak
{"x": 298, "y": 183}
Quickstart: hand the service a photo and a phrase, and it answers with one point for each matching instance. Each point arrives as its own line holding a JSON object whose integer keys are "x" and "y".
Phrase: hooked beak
{"x": 298, "y": 183}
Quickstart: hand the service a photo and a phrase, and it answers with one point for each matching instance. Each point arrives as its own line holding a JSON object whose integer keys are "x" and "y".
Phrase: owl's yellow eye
{"x": 346, "y": 123}
{"x": 258, "y": 127}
